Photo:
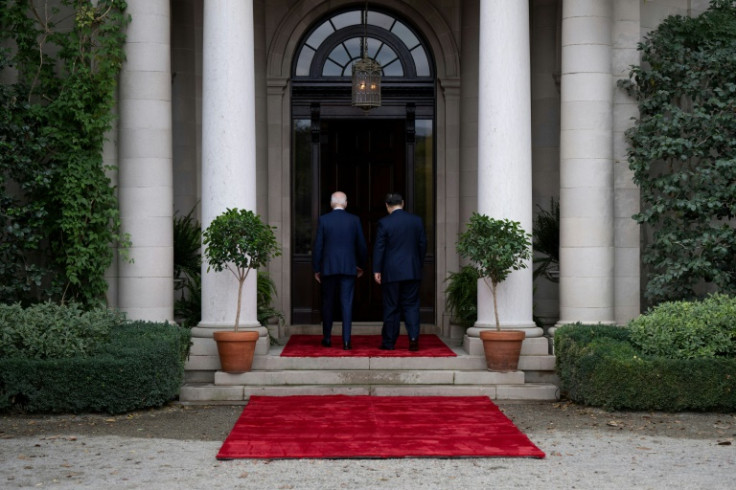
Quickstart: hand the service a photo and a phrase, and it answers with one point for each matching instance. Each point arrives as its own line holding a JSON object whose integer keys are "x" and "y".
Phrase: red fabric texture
{"x": 364, "y": 346}
{"x": 342, "y": 426}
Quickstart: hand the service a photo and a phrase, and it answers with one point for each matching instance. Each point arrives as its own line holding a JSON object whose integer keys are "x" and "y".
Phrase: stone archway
{"x": 283, "y": 45}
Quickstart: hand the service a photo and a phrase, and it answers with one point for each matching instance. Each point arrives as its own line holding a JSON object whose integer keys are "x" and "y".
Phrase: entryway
{"x": 366, "y": 159}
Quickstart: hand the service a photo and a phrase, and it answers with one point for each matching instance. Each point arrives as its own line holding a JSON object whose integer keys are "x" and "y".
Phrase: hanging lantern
{"x": 366, "y": 75}
{"x": 366, "y": 83}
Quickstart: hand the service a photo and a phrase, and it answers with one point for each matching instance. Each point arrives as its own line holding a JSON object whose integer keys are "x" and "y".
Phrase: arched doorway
{"x": 363, "y": 153}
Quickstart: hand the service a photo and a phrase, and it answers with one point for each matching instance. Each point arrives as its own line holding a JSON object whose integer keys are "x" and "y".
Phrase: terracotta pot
{"x": 236, "y": 349}
{"x": 502, "y": 349}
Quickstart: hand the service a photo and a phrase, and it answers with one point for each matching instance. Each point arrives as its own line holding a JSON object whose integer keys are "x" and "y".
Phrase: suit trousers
{"x": 400, "y": 298}
{"x": 342, "y": 286}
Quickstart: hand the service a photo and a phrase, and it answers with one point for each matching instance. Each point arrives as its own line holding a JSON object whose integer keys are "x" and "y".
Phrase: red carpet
{"x": 340, "y": 426}
{"x": 364, "y": 346}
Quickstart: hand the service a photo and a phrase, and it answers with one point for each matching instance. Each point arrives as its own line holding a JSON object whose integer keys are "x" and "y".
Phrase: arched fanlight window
{"x": 331, "y": 47}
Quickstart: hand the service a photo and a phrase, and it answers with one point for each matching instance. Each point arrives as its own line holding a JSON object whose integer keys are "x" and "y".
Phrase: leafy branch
{"x": 59, "y": 212}
{"x": 683, "y": 153}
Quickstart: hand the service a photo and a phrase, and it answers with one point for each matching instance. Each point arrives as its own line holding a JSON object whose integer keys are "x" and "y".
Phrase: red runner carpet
{"x": 341, "y": 426}
{"x": 364, "y": 346}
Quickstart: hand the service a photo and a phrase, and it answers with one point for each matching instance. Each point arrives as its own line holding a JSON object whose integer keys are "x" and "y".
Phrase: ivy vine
{"x": 683, "y": 153}
{"x": 59, "y": 214}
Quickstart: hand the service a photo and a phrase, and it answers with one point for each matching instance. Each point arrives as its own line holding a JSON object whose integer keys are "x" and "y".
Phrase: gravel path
{"x": 175, "y": 447}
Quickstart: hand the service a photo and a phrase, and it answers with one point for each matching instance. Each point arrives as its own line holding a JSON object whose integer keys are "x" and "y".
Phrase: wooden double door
{"x": 366, "y": 159}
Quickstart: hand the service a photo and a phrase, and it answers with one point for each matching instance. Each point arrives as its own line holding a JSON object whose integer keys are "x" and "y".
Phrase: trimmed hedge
{"x": 688, "y": 329}
{"x": 52, "y": 331}
{"x": 141, "y": 366}
{"x": 598, "y": 366}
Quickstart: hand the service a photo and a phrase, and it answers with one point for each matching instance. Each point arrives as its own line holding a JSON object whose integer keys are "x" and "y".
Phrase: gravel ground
{"x": 175, "y": 447}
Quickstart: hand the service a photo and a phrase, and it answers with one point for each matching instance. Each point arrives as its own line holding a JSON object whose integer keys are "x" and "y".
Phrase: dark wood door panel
{"x": 366, "y": 159}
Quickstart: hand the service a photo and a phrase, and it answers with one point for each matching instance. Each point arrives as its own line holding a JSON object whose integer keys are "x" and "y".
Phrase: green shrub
{"x": 187, "y": 270}
{"x": 461, "y": 298}
{"x": 597, "y": 365}
{"x": 140, "y": 366}
{"x": 682, "y": 150}
{"x": 688, "y": 330}
{"x": 51, "y": 331}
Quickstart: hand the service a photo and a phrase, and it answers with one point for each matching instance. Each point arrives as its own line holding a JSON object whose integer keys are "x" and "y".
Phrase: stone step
{"x": 367, "y": 377}
{"x": 463, "y": 375}
{"x": 463, "y": 361}
{"x": 204, "y": 393}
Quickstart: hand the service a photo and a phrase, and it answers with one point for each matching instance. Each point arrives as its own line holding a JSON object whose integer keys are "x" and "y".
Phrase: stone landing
{"x": 464, "y": 375}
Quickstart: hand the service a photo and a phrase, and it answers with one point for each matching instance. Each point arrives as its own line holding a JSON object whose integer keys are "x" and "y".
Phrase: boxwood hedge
{"x": 599, "y": 366}
{"x": 140, "y": 365}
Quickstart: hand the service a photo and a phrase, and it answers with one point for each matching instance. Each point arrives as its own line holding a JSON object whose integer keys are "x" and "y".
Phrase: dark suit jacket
{"x": 398, "y": 253}
{"x": 339, "y": 247}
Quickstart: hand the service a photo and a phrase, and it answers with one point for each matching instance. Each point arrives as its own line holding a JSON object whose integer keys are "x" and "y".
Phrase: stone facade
{"x": 205, "y": 124}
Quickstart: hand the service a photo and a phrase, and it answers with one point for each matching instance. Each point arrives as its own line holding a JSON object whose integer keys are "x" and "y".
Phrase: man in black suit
{"x": 338, "y": 256}
{"x": 398, "y": 257}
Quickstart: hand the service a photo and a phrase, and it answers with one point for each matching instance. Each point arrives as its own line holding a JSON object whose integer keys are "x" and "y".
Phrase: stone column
{"x": 145, "y": 284}
{"x": 626, "y": 32}
{"x": 504, "y": 153}
{"x": 228, "y": 151}
{"x": 586, "y": 164}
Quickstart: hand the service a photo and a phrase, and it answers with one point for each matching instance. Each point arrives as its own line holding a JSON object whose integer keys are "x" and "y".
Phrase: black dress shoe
{"x": 347, "y": 346}
{"x": 326, "y": 342}
{"x": 413, "y": 345}
{"x": 385, "y": 347}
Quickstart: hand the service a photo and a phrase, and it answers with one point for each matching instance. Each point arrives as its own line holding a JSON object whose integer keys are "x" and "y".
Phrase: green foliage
{"x": 546, "y": 241}
{"x": 187, "y": 269}
{"x": 496, "y": 247}
{"x": 238, "y": 240}
{"x": 688, "y": 330}
{"x": 187, "y": 242}
{"x": 461, "y": 298}
{"x": 265, "y": 295}
{"x": 188, "y": 306}
{"x": 597, "y": 365}
{"x": 50, "y": 331}
{"x": 683, "y": 152}
{"x": 141, "y": 366}
{"x": 188, "y": 277}
{"x": 58, "y": 212}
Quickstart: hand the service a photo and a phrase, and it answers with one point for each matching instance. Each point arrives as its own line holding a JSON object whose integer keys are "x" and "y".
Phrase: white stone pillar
{"x": 146, "y": 286}
{"x": 586, "y": 164}
{"x": 504, "y": 152}
{"x": 627, "y": 287}
{"x": 228, "y": 150}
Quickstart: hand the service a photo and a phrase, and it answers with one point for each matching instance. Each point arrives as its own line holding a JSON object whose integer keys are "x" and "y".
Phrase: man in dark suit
{"x": 398, "y": 257}
{"x": 338, "y": 256}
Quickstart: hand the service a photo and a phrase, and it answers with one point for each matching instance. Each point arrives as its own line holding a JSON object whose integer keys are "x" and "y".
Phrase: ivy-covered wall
{"x": 58, "y": 213}
{"x": 683, "y": 153}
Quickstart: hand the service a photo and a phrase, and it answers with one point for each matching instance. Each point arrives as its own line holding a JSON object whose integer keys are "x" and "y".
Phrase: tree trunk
{"x": 241, "y": 280}
{"x": 492, "y": 286}
{"x": 495, "y": 305}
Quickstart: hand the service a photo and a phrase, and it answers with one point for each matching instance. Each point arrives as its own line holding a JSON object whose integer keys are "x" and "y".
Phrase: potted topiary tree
{"x": 237, "y": 240}
{"x": 496, "y": 248}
